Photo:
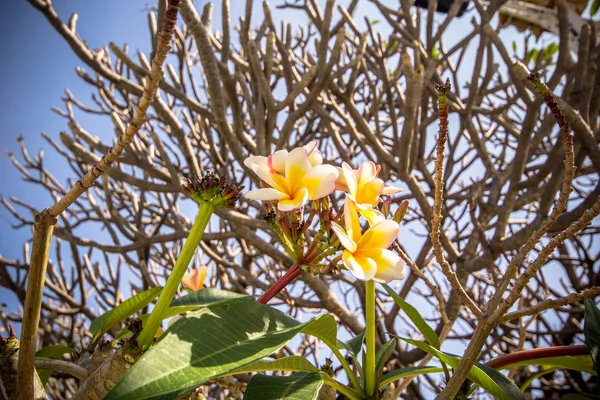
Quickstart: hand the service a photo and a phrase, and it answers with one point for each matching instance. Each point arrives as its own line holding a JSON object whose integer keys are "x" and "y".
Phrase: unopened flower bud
{"x": 386, "y": 207}
{"x": 401, "y": 212}
{"x": 213, "y": 189}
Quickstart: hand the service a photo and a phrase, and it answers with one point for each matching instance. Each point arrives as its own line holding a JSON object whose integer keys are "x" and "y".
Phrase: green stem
{"x": 343, "y": 389}
{"x": 370, "y": 373}
{"x": 166, "y": 296}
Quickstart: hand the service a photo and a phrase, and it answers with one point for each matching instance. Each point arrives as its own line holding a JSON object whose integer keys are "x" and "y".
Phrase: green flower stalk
{"x": 370, "y": 367}
{"x": 211, "y": 193}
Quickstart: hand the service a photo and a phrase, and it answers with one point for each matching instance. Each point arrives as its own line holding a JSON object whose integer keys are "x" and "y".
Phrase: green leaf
{"x": 591, "y": 331}
{"x": 407, "y": 372}
{"x": 594, "y": 8}
{"x": 289, "y": 363}
{"x": 384, "y": 353}
{"x": 54, "y": 352}
{"x": 191, "y": 302}
{"x": 107, "y": 320}
{"x": 209, "y": 343}
{"x": 543, "y": 371}
{"x": 506, "y": 385}
{"x": 514, "y": 46}
{"x": 435, "y": 52}
{"x": 353, "y": 345}
{"x": 375, "y": 22}
{"x": 484, "y": 376}
{"x": 550, "y": 50}
{"x": 576, "y": 363}
{"x": 298, "y": 386}
{"x": 532, "y": 56}
{"x": 412, "y": 313}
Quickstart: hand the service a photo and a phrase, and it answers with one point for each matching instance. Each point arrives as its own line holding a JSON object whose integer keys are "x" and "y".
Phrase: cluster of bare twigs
{"x": 365, "y": 92}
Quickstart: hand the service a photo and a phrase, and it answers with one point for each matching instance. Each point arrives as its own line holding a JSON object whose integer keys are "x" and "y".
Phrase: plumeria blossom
{"x": 364, "y": 188}
{"x": 292, "y": 177}
{"x": 195, "y": 279}
{"x": 367, "y": 255}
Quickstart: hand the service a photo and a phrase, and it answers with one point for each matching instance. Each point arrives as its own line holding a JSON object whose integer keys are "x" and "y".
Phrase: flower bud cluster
{"x": 214, "y": 189}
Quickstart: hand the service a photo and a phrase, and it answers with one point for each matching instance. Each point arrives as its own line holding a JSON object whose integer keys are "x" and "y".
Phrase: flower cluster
{"x": 290, "y": 179}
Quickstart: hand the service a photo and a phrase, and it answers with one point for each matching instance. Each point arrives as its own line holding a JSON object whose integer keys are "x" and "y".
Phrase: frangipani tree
{"x": 481, "y": 196}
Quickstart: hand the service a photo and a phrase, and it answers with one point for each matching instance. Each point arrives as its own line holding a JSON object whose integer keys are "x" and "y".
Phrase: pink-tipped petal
{"x": 340, "y": 183}
{"x": 299, "y": 200}
{"x": 380, "y": 235}
{"x": 314, "y": 155}
{"x": 276, "y": 161}
{"x": 266, "y": 177}
{"x": 267, "y": 194}
{"x": 258, "y": 160}
{"x": 319, "y": 181}
{"x": 345, "y": 240}
{"x": 366, "y": 172}
{"x": 390, "y": 267}
{"x": 362, "y": 268}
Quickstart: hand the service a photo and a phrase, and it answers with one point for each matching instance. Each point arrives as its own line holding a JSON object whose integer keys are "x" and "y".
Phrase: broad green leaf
{"x": 298, "y": 386}
{"x": 407, "y": 372}
{"x": 414, "y": 315}
{"x": 190, "y": 302}
{"x": 325, "y": 329}
{"x": 107, "y": 320}
{"x": 576, "y": 363}
{"x": 209, "y": 343}
{"x": 290, "y": 363}
{"x": 54, "y": 352}
{"x": 591, "y": 331}
{"x": 502, "y": 389}
{"x": 353, "y": 345}
{"x": 594, "y": 8}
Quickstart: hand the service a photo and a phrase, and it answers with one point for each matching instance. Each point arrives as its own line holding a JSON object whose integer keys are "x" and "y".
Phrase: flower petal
{"x": 389, "y": 267}
{"x": 345, "y": 240}
{"x": 259, "y": 160}
{"x": 380, "y": 235}
{"x": 267, "y": 177}
{"x": 362, "y": 268}
{"x": 267, "y": 194}
{"x": 276, "y": 161}
{"x": 390, "y": 190}
{"x": 340, "y": 183}
{"x": 351, "y": 220}
{"x": 299, "y": 200}
{"x": 372, "y": 215}
{"x": 314, "y": 155}
{"x": 368, "y": 193}
{"x": 366, "y": 173}
{"x": 350, "y": 178}
{"x": 195, "y": 279}
{"x": 296, "y": 165}
{"x": 319, "y": 181}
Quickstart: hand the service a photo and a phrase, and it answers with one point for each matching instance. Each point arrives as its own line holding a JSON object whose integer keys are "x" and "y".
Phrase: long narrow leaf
{"x": 488, "y": 378}
{"x": 107, "y": 320}
{"x": 406, "y": 373}
{"x": 415, "y": 317}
